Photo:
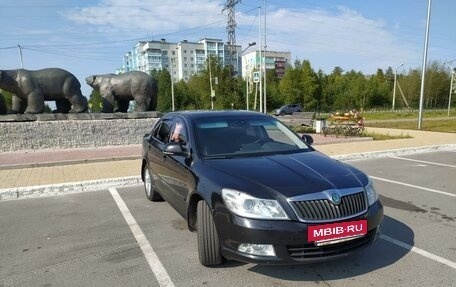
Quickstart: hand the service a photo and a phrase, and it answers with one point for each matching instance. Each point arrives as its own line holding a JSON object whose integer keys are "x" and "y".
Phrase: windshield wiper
{"x": 217, "y": 157}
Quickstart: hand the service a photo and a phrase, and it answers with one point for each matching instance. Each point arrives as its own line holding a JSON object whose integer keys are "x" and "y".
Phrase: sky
{"x": 89, "y": 37}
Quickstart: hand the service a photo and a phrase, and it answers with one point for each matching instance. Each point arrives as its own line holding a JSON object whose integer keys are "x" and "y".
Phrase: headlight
{"x": 372, "y": 195}
{"x": 248, "y": 206}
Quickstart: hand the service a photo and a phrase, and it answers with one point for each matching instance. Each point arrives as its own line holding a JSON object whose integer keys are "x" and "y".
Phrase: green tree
{"x": 199, "y": 91}
{"x": 95, "y": 102}
{"x": 273, "y": 97}
{"x": 8, "y": 98}
{"x": 436, "y": 92}
{"x": 164, "y": 100}
{"x": 334, "y": 89}
{"x": 355, "y": 94}
{"x": 322, "y": 105}
{"x": 378, "y": 90}
{"x": 308, "y": 83}
{"x": 182, "y": 98}
{"x": 289, "y": 86}
{"x": 410, "y": 85}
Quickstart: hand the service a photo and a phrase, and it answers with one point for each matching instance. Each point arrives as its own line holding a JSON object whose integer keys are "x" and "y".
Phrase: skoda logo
{"x": 335, "y": 198}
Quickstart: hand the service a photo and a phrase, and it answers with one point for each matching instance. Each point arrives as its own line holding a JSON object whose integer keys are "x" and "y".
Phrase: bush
{"x": 303, "y": 129}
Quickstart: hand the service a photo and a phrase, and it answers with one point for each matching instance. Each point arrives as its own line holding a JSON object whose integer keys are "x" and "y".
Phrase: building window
{"x": 185, "y": 51}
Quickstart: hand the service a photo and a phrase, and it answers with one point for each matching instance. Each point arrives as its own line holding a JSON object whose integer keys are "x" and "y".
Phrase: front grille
{"x": 310, "y": 250}
{"x": 323, "y": 209}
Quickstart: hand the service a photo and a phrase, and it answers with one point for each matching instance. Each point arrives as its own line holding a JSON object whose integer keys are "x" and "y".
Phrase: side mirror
{"x": 175, "y": 148}
{"x": 308, "y": 139}
{"x": 148, "y": 137}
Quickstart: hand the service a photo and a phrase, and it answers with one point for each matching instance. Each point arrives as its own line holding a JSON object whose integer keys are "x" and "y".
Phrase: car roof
{"x": 198, "y": 114}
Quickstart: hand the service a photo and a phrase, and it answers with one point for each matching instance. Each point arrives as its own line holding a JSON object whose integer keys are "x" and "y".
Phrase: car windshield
{"x": 227, "y": 137}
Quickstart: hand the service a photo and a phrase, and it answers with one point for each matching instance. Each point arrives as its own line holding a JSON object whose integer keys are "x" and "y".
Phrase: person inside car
{"x": 177, "y": 135}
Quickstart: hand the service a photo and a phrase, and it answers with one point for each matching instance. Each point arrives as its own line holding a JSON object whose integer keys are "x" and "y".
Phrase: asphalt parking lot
{"x": 117, "y": 237}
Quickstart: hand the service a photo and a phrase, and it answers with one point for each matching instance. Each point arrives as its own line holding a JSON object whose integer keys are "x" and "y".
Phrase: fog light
{"x": 257, "y": 249}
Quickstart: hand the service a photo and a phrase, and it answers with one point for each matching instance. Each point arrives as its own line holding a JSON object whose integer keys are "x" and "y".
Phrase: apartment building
{"x": 270, "y": 59}
{"x": 182, "y": 60}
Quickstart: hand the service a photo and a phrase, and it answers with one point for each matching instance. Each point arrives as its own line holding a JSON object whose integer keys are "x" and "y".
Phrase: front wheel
{"x": 208, "y": 241}
{"x": 151, "y": 193}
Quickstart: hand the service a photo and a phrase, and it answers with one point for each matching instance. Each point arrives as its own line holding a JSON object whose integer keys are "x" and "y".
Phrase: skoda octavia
{"x": 255, "y": 191}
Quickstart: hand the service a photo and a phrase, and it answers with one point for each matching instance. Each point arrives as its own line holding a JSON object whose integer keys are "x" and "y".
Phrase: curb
{"x": 394, "y": 152}
{"x": 102, "y": 184}
{"x": 67, "y": 162}
{"x": 67, "y": 188}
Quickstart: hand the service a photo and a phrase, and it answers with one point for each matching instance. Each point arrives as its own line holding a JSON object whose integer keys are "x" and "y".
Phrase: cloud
{"x": 328, "y": 38}
{"x": 149, "y": 16}
{"x": 343, "y": 37}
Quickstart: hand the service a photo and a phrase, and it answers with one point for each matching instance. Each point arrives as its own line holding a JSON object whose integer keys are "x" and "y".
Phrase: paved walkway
{"x": 83, "y": 169}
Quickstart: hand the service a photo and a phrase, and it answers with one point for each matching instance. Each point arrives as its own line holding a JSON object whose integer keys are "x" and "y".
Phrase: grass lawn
{"x": 379, "y": 137}
{"x": 437, "y": 121}
{"x": 440, "y": 125}
{"x": 397, "y": 115}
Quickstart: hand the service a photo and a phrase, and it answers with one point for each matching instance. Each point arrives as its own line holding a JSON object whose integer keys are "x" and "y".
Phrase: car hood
{"x": 288, "y": 174}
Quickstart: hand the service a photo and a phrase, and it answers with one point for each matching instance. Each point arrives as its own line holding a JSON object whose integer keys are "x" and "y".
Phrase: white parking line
{"x": 155, "y": 265}
{"x": 422, "y": 161}
{"x": 414, "y": 186}
{"x": 419, "y": 251}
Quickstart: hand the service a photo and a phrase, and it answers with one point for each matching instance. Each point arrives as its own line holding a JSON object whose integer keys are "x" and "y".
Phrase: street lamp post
{"x": 210, "y": 84}
{"x": 394, "y": 89}
{"x": 246, "y": 78}
{"x": 265, "y": 46}
{"x": 453, "y": 74}
{"x": 261, "y": 60}
{"x": 172, "y": 85}
{"x": 423, "y": 72}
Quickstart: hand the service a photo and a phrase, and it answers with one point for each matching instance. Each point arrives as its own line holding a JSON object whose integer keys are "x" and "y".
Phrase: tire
{"x": 208, "y": 241}
{"x": 282, "y": 113}
{"x": 151, "y": 193}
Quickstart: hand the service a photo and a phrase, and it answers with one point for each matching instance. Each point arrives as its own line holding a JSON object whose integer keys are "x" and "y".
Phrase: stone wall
{"x": 62, "y": 134}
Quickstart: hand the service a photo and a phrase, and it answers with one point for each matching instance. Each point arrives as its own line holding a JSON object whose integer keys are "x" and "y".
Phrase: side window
{"x": 155, "y": 128}
{"x": 162, "y": 130}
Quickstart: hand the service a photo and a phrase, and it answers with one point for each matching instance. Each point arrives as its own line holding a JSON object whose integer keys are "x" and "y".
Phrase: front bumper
{"x": 289, "y": 238}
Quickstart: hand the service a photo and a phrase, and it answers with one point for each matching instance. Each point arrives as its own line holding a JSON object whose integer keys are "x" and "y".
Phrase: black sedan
{"x": 255, "y": 191}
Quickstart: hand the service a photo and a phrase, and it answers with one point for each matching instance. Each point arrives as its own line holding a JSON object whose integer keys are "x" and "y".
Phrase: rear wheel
{"x": 151, "y": 193}
{"x": 208, "y": 241}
